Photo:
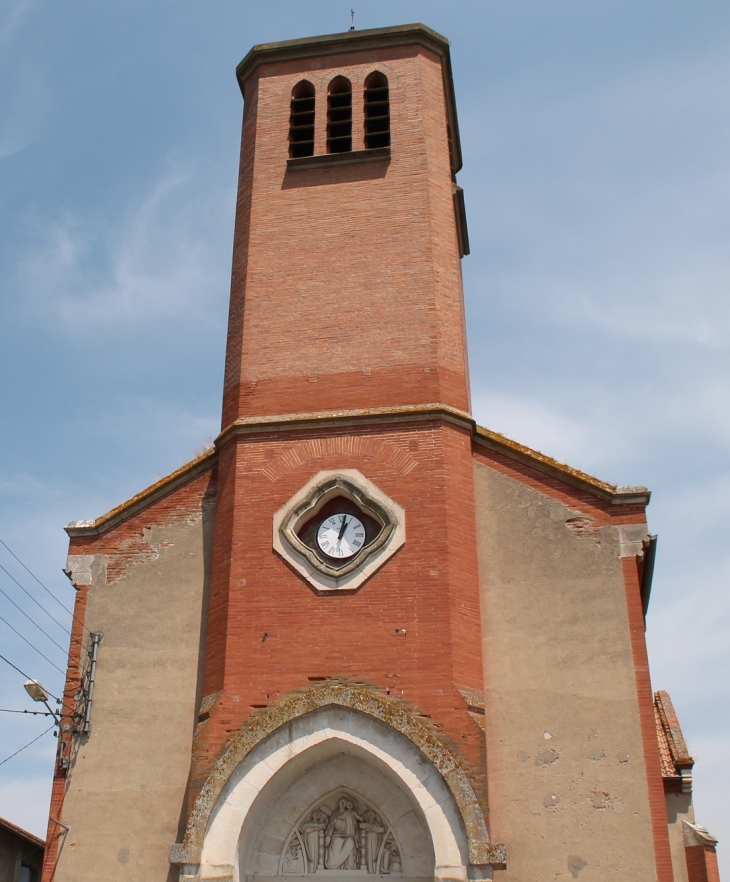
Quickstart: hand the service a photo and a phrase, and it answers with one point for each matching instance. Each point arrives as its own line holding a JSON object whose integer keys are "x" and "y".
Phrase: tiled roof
{"x": 673, "y": 753}
{"x": 21, "y": 833}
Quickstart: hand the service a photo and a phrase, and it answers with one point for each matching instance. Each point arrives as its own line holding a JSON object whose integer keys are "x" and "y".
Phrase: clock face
{"x": 341, "y": 535}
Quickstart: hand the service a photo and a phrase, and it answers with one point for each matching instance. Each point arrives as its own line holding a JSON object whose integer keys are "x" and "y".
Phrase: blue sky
{"x": 596, "y": 145}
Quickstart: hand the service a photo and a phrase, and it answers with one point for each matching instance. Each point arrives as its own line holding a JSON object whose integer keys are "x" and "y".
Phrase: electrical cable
{"x": 60, "y": 625}
{"x": 23, "y": 674}
{"x": 9, "y": 710}
{"x": 26, "y": 745}
{"x": 32, "y": 647}
{"x": 33, "y": 622}
{"x": 73, "y": 615}
{"x": 63, "y": 606}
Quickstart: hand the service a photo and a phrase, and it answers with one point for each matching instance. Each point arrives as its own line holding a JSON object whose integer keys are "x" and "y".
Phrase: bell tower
{"x": 345, "y": 541}
{"x": 346, "y": 289}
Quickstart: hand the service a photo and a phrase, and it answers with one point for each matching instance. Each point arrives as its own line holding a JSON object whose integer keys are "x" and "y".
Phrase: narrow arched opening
{"x": 377, "y": 111}
{"x": 301, "y": 120}
{"x": 339, "y": 115}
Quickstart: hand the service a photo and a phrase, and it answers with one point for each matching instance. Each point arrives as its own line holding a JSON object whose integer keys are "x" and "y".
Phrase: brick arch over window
{"x": 301, "y": 120}
{"x": 339, "y": 115}
{"x": 208, "y": 813}
{"x": 377, "y": 111}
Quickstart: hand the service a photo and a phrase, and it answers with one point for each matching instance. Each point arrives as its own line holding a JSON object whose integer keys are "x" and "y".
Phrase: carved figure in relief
{"x": 341, "y": 837}
{"x": 312, "y": 830}
{"x": 391, "y": 860}
{"x": 341, "y": 833}
{"x": 292, "y": 859}
{"x": 372, "y": 825}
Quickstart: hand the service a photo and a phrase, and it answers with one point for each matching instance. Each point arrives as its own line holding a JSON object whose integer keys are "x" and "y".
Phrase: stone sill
{"x": 327, "y": 159}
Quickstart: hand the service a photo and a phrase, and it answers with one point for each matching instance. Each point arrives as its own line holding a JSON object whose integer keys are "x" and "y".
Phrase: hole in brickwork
{"x": 301, "y": 120}
{"x": 377, "y": 111}
{"x": 339, "y": 116}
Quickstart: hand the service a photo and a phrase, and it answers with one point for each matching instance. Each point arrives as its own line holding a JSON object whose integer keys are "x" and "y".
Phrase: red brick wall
{"x": 346, "y": 293}
{"x": 56, "y": 830}
{"x": 702, "y": 864}
{"x": 645, "y": 696}
{"x": 411, "y": 630}
{"x": 346, "y": 288}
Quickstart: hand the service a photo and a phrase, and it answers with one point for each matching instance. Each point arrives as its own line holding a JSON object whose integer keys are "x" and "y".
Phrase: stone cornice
{"x": 293, "y": 422}
{"x": 418, "y": 412}
{"x": 638, "y": 495}
{"x": 356, "y": 416}
{"x": 141, "y": 500}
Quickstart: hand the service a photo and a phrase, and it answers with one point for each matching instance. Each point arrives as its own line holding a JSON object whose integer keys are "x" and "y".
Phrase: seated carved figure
{"x": 341, "y": 837}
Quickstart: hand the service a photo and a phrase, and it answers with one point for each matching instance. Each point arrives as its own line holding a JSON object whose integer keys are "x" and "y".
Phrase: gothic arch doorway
{"x": 375, "y": 806}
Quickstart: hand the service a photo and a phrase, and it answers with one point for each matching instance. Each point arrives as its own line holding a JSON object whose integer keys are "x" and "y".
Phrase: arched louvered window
{"x": 377, "y": 111}
{"x": 339, "y": 116}
{"x": 301, "y": 120}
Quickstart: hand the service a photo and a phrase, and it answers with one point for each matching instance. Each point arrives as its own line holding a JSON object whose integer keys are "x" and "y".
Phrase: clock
{"x": 338, "y": 530}
{"x": 341, "y": 535}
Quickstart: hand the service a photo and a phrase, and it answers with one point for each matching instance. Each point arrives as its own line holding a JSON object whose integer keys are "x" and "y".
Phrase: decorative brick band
{"x": 357, "y": 445}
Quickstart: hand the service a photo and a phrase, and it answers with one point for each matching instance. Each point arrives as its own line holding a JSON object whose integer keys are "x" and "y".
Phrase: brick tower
{"x": 359, "y": 637}
{"x": 346, "y": 351}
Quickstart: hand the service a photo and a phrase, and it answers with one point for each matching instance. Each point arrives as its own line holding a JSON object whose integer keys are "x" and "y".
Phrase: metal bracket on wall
{"x": 85, "y": 695}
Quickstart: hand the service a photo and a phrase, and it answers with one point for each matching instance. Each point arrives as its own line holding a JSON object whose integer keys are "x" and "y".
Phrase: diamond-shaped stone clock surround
{"x": 305, "y": 504}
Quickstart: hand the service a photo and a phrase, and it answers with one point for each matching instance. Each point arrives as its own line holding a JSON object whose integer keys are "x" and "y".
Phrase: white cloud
{"x": 155, "y": 257}
{"x": 15, "y": 14}
{"x": 618, "y": 214}
{"x": 540, "y": 425}
{"x": 25, "y": 797}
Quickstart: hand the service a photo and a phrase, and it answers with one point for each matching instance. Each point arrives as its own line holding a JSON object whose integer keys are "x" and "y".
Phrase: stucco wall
{"x": 679, "y": 809}
{"x": 566, "y": 776}
{"x": 127, "y": 782}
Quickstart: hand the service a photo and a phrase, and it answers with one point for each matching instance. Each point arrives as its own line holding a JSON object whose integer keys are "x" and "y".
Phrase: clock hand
{"x": 342, "y": 528}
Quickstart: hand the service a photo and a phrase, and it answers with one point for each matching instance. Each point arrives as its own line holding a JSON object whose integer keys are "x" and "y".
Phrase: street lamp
{"x": 38, "y": 693}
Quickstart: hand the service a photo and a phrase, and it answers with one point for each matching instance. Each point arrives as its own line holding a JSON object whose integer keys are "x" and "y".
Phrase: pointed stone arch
{"x": 394, "y": 714}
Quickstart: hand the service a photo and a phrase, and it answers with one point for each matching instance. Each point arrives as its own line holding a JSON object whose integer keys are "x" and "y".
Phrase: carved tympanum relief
{"x": 341, "y": 833}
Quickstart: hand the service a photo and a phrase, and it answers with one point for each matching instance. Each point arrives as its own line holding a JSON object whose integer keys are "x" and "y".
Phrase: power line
{"x": 25, "y": 591}
{"x": 32, "y": 647}
{"x": 63, "y": 606}
{"x": 23, "y": 674}
{"x": 8, "y": 710}
{"x": 26, "y": 745}
{"x": 72, "y": 614}
{"x": 33, "y": 622}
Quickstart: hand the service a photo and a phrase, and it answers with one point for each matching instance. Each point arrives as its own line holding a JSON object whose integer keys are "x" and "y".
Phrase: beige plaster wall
{"x": 567, "y": 785}
{"x": 679, "y": 809}
{"x": 127, "y": 782}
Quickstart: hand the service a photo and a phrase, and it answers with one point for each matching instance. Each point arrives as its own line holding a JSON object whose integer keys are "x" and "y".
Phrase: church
{"x": 362, "y": 636}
